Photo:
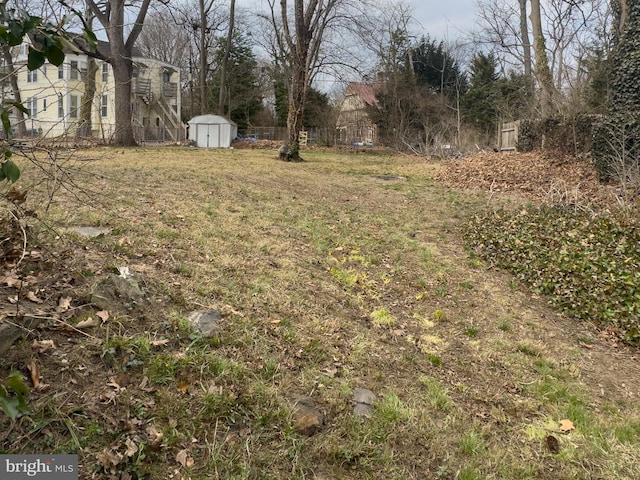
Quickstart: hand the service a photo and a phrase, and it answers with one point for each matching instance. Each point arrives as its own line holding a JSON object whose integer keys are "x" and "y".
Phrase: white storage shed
{"x": 212, "y": 131}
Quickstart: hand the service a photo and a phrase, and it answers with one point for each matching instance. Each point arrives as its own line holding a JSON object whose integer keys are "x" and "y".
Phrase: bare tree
{"x": 162, "y": 38}
{"x": 386, "y": 32}
{"x": 225, "y": 58}
{"x": 300, "y": 28}
{"x": 502, "y": 28}
{"x": 543, "y": 72}
{"x": 562, "y": 32}
{"x": 12, "y": 73}
{"x": 205, "y": 7}
{"x": 89, "y": 79}
{"x": 111, "y": 14}
{"x": 524, "y": 37}
{"x": 201, "y": 21}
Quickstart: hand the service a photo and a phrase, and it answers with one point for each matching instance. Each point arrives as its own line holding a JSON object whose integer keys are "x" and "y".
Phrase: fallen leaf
{"x": 552, "y": 444}
{"x": 16, "y": 196}
{"x": 103, "y": 314}
{"x": 13, "y": 300}
{"x": 108, "y": 458}
{"x": 64, "y": 304}
{"x": 159, "y": 343}
{"x": 43, "y": 345}
{"x": 89, "y": 322}
{"x": 183, "y": 458}
{"x": 132, "y": 448}
{"x": 566, "y": 426}
{"x": 144, "y": 385}
{"x": 330, "y": 372}
{"x": 108, "y": 396}
{"x": 35, "y": 254}
{"x": 183, "y": 386}
{"x": 32, "y": 296}
{"x": 12, "y": 282}
{"x": 34, "y": 373}
{"x": 121, "y": 379}
{"x": 156, "y": 439}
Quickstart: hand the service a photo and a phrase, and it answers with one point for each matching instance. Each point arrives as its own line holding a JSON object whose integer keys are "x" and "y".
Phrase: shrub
{"x": 588, "y": 265}
{"x": 569, "y": 135}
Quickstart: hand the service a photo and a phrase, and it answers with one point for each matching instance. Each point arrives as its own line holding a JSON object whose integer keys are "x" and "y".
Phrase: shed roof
{"x": 210, "y": 120}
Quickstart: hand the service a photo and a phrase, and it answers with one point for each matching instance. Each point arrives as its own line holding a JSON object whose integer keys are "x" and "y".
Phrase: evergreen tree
{"x": 244, "y": 98}
{"x": 435, "y": 67}
{"x": 316, "y": 106}
{"x": 418, "y": 98}
{"x": 481, "y": 102}
{"x": 598, "y": 69}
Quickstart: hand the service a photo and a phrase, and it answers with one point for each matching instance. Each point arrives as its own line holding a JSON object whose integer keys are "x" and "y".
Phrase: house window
{"x": 73, "y": 106}
{"x": 32, "y": 107}
{"x": 166, "y": 76}
{"x": 32, "y": 76}
{"x": 104, "y": 106}
{"x": 74, "y": 72}
{"x": 60, "y": 106}
{"x": 105, "y": 72}
{"x": 61, "y": 72}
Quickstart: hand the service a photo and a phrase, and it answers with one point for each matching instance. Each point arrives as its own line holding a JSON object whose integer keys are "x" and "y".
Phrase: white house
{"x": 53, "y": 96}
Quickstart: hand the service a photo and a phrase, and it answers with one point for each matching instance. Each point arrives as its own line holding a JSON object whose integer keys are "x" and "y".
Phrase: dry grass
{"x": 341, "y": 272}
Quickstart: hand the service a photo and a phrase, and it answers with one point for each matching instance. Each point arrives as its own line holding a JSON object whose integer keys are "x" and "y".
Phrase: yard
{"x": 345, "y": 272}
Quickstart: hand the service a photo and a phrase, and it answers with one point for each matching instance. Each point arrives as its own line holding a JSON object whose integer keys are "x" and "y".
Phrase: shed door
{"x": 214, "y": 136}
{"x": 202, "y": 135}
{"x": 208, "y": 136}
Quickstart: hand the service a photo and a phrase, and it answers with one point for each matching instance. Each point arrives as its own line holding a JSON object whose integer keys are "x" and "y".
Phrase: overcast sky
{"x": 441, "y": 19}
{"x": 445, "y": 19}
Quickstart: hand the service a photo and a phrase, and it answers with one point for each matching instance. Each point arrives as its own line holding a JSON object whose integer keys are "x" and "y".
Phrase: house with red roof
{"x": 354, "y": 127}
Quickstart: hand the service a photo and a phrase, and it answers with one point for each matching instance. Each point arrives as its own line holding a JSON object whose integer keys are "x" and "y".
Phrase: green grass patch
{"x": 382, "y": 316}
{"x": 436, "y": 394}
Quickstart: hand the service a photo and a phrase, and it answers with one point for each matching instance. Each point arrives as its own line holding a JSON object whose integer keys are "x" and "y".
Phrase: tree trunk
{"x": 225, "y": 60}
{"x": 297, "y": 94}
{"x": 526, "y": 43}
{"x": 203, "y": 59}
{"x": 85, "y": 127}
{"x": 122, "y": 75}
{"x": 299, "y": 72}
{"x": 625, "y": 74}
{"x": 21, "y": 128}
{"x": 543, "y": 71}
{"x": 89, "y": 80}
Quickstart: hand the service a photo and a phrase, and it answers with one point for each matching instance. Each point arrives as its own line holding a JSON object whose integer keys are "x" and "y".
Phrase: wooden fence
{"x": 508, "y": 136}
